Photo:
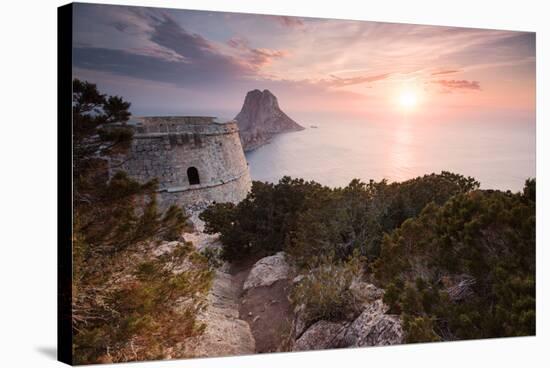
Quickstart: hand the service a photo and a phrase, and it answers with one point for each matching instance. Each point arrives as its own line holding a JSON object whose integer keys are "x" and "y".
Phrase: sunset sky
{"x": 189, "y": 62}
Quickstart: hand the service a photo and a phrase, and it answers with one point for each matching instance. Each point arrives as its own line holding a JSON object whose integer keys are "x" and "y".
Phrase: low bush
{"x": 140, "y": 308}
{"x": 324, "y": 292}
{"x": 464, "y": 270}
{"x": 213, "y": 257}
{"x": 309, "y": 221}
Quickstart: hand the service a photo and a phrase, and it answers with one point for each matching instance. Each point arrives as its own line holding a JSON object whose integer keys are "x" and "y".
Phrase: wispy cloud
{"x": 226, "y": 53}
{"x": 336, "y": 81}
{"x": 448, "y": 71}
{"x": 261, "y": 56}
{"x": 458, "y": 84}
{"x": 256, "y": 57}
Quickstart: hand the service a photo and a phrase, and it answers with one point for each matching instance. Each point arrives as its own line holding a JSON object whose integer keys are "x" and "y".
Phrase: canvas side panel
{"x": 64, "y": 186}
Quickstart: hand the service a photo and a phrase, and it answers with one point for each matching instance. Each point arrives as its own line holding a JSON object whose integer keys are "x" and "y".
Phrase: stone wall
{"x": 166, "y": 147}
{"x": 233, "y": 191}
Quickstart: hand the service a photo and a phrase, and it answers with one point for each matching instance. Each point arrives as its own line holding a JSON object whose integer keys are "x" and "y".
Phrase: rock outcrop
{"x": 261, "y": 118}
{"x": 321, "y": 335}
{"x": 225, "y": 333}
{"x": 267, "y": 271}
{"x": 365, "y": 293}
{"x": 373, "y": 327}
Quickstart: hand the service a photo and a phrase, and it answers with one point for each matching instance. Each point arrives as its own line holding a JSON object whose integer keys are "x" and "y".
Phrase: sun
{"x": 408, "y": 99}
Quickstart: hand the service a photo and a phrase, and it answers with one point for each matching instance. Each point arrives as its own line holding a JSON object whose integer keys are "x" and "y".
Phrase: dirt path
{"x": 266, "y": 309}
{"x": 268, "y": 312}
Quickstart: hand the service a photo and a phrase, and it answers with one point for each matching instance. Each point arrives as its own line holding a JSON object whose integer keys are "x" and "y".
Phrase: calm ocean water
{"x": 499, "y": 155}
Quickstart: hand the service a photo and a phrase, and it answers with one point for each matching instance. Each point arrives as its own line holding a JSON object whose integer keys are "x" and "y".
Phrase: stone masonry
{"x": 197, "y": 160}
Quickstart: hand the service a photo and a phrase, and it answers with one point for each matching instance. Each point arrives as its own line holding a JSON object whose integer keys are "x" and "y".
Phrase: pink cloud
{"x": 261, "y": 57}
{"x": 458, "y": 84}
{"x": 238, "y": 43}
{"x": 449, "y": 71}
{"x": 340, "y": 82}
{"x": 256, "y": 57}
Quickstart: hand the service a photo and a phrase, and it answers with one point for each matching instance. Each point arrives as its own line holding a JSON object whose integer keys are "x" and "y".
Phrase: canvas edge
{"x": 64, "y": 187}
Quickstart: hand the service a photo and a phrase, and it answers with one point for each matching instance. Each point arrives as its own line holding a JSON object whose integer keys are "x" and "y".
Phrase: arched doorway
{"x": 193, "y": 176}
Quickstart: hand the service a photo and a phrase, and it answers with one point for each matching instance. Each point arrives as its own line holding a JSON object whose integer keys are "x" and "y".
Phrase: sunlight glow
{"x": 408, "y": 99}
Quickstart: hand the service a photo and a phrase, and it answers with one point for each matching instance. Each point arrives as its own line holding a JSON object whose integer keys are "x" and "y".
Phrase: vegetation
{"x": 324, "y": 293}
{"x": 456, "y": 262}
{"x": 261, "y": 223}
{"x": 127, "y": 303}
{"x": 310, "y": 221}
{"x": 464, "y": 270}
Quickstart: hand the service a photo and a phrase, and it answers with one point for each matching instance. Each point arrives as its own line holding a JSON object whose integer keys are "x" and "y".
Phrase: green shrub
{"x": 136, "y": 315}
{"x": 325, "y": 293}
{"x": 419, "y": 329}
{"x": 310, "y": 221}
{"x": 213, "y": 257}
{"x": 261, "y": 223}
{"x": 484, "y": 237}
{"x": 127, "y": 304}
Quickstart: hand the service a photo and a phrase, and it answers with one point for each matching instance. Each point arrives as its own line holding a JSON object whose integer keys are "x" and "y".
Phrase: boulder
{"x": 321, "y": 335}
{"x": 373, "y": 328}
{"x": 365, "y": 293}
{"x": 267, "y": 271}
{"x": 299, "y": 320}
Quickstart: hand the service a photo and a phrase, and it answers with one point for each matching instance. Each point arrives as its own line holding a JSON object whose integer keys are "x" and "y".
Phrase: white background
{"x": 28, "y": 181}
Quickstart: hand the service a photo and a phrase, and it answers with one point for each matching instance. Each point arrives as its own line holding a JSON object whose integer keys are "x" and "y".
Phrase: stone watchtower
{"x": 197, "y": 160}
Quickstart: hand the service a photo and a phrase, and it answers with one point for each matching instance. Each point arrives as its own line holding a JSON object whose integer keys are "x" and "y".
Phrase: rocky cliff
{"x": 261, "y": 118}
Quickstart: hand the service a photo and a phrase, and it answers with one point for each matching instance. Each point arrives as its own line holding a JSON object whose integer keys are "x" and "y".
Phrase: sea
{"x": 498, "y": 155}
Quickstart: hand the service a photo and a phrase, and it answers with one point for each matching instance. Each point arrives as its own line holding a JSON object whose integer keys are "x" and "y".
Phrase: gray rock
{"x": 365, "y": 293}
{"x": 321, "y": 335}
{"x": 267, "y": 271}
{"x": 373, "y": 328}
{"x": 225, "y": 333}
{"x": 299, "y": 321}
{"x": 261, "y": 118}
{"x": 297, "y": 279}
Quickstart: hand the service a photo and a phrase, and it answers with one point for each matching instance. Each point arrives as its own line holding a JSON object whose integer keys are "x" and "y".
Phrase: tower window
{"x": 193, "y": 175}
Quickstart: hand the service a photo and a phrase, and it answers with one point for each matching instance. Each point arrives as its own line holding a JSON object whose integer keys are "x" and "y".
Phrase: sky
{"x": 182, "y": 62}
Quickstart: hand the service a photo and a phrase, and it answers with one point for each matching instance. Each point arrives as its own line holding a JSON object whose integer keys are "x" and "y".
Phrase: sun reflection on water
{"x": 401, "y": 153}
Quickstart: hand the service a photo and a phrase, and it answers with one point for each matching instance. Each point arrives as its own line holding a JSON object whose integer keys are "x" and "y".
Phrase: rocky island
{"x": 261, "y": 118}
